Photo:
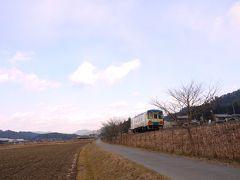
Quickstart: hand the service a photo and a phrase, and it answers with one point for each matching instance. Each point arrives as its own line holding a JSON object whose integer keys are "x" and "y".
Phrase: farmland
{"x": 52, "y": 160}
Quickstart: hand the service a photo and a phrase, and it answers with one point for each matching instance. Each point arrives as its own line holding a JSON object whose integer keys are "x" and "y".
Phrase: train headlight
{"x": 149, "y": 123}
{"x": 162, "y": 122}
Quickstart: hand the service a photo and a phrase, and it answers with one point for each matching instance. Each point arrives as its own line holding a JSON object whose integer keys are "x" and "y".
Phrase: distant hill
{"x": 228, "y": 103}
{"x": 86, "y": 132}
{"x": 36, "y": 136}
{"x": 55, "y": 136}
{"x": 17, "y": 135}
{"x": 229, "y": 98}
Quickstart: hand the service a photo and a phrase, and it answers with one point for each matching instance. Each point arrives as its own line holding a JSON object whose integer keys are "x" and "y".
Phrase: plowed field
{"x": 40, "y": 161}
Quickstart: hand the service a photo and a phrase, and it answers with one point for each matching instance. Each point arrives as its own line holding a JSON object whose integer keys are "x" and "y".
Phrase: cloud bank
{"x": 29, "y": 80}
{"x": 69, "y": 117}
{"x": 21, "y": 56}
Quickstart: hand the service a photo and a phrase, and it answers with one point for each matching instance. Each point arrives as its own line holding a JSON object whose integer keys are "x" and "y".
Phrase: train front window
{"x": 155, "y": 116}
{"x": 160, "y": 116}
{"x": 149, "y": 116}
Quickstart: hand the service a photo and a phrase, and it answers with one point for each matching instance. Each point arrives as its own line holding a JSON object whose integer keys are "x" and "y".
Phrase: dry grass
{"x": 95, "y": 163}
{"x": 221, "y": 141}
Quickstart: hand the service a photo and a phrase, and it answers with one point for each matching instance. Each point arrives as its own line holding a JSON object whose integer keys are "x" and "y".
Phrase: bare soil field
{"x": 40, "y": 161}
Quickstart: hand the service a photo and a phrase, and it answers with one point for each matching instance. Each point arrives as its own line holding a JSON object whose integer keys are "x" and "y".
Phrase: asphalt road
{"x": 175, "y": 167}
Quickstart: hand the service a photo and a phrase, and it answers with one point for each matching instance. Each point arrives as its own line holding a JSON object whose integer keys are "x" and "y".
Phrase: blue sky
{"x": 69, "y": 65}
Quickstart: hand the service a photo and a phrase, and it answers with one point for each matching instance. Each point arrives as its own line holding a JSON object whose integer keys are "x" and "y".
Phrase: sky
{"x": 70, "y": 65}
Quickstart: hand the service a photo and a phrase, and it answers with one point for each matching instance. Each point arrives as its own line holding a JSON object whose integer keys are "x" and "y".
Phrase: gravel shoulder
{"x": 175, "y": 167}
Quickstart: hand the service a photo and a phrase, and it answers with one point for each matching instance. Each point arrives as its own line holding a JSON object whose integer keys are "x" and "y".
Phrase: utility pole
{"x": 213, "y": 116}
{"x": 233, "y": 109}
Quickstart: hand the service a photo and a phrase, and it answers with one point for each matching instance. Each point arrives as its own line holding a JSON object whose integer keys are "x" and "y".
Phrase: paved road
{"x": 175, "y": 167}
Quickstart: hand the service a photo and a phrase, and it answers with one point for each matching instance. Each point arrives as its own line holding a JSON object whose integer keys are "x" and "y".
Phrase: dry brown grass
{"x": 98, "y": 164}
{"x": 221, "y": 141}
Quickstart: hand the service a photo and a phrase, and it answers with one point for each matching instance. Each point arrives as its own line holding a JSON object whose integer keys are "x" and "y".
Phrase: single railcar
{"x": 149, "y": 120}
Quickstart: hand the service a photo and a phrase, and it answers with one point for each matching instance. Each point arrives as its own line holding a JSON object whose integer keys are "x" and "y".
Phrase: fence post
{"x": 162, "y": 141}
{"x": 182, "y": 142}
{"x": 172, "y": 142}
{"x": 197, "y": 140}
{"x": 145, "y": 140}
{"x": 155, "y": 140}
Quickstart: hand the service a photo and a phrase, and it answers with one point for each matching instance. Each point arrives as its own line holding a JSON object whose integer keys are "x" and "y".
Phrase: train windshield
{"x": 155, "y": 115}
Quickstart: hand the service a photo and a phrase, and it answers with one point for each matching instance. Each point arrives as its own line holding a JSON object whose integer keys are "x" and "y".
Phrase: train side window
{"x": 155, "y": 116}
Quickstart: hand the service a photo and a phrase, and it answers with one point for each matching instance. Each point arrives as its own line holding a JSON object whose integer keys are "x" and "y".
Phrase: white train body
{"x": 151, "y": 119}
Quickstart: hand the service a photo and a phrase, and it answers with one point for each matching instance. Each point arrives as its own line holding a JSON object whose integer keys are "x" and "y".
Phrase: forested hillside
{"x": 55, "y": 136}
{"x": 17, "y": 135}
{"x": 228, "y": 103}
{"x": 35, "y": 136}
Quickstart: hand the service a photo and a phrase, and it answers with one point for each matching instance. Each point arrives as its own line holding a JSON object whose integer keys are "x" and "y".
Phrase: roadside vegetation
{"x": 220, "y": 141}
{"x": 198, "y": 104}
{"x": 96, "y": 163}
{"x": 114, "y": 128}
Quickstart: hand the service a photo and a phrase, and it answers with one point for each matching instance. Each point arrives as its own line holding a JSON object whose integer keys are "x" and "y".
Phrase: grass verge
{"x": 96, "y": 163}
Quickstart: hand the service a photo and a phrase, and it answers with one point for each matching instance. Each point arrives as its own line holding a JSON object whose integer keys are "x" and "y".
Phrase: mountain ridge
{"x": 33, "y": 136}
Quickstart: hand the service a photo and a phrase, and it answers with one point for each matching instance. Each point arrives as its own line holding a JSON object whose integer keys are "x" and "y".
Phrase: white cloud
{"x": 87, "y": 74}
{"x": 115, "y": 73}
{"x": 29, "y": 80}
{"x": 21, "y": 56}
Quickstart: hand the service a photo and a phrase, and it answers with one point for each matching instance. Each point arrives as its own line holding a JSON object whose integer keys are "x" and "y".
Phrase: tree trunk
{"x": 191, "y": 139}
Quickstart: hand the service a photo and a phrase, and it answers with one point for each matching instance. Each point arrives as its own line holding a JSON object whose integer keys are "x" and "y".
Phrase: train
{"x": 149, "y": 120}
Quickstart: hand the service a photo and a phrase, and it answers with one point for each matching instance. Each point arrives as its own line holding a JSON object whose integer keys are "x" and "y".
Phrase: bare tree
{"x": 110, "y": 129}
{"x": 114, "y": 127}
{"x": 124, "y": 125}
{"x": 187, "y": 97}
{"x": 169, "y": 108}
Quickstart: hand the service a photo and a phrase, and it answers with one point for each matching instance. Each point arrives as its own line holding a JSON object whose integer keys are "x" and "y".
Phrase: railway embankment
{"x": 219, "y": 141}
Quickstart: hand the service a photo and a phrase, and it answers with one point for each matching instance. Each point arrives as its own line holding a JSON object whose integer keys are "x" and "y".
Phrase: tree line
{"x": 115, "y": 127}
